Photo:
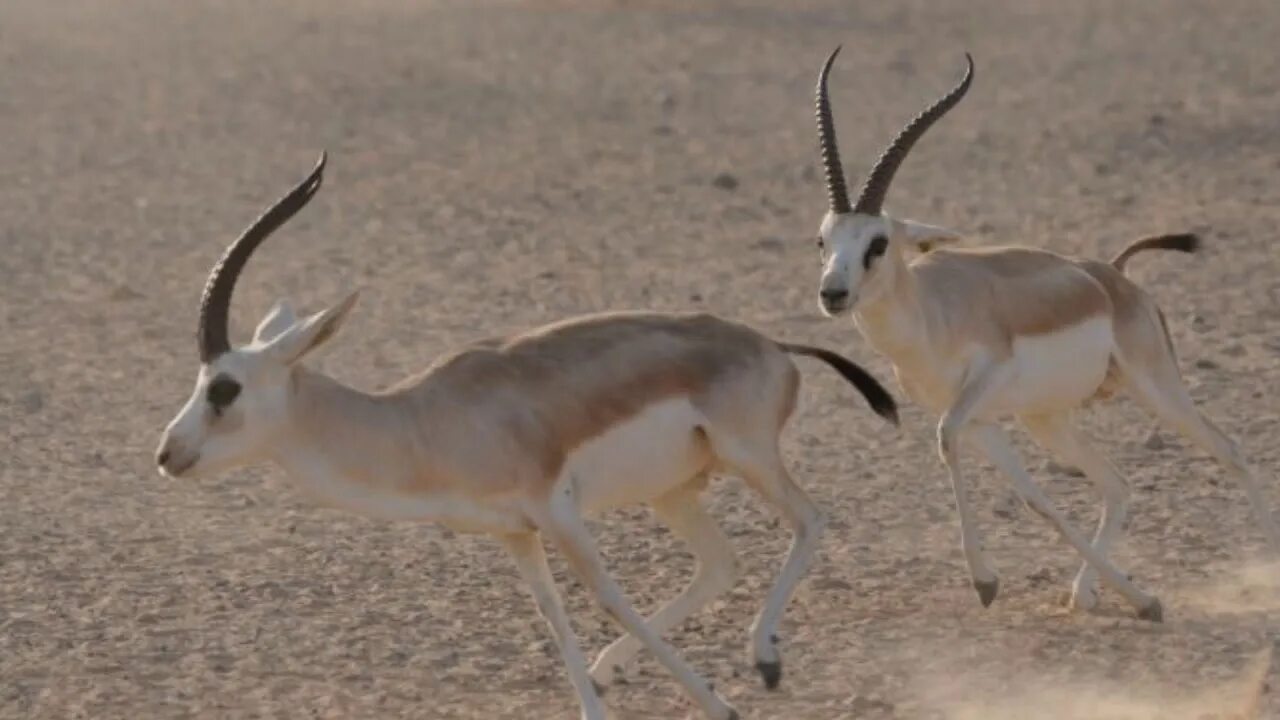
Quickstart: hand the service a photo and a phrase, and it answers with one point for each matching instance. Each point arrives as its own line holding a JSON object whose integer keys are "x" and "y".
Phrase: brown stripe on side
{"x": 541, "y": 395}
{"x": 996, "y": 294}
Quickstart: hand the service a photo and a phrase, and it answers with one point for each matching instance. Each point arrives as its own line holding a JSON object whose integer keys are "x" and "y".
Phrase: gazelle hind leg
{"x": 1056, "y": 434}
{"x": 761, "y": 467}
{"x": 996, "y": 446}
{"x": 680, "y": 510}
{"x": 1163, "y": 393}
{"x": 566, "y": 528}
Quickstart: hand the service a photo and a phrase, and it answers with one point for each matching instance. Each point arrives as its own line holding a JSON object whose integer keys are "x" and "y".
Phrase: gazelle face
{"x": 236, "y": 411}
{"x": 239, "y": 412}
{"x": 861, "y": 246}
{"x": 855, "y": 248}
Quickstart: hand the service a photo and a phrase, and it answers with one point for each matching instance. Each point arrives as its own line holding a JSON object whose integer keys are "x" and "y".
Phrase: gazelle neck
{"x": 893, "y": 322}
{"x": 344, "y": 440}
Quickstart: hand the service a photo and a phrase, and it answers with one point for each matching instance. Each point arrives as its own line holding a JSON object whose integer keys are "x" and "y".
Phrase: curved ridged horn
{"x": 881, "y": 176}
{"x": 211, "y": 334}
{"x": 837, "y": 193}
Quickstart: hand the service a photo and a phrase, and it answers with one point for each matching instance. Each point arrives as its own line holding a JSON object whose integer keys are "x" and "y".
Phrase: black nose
{"x": 832, "y": 297}
{"x": 162, "y": 457}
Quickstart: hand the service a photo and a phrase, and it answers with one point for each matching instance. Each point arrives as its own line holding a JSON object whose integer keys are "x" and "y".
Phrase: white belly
{"x": 1057, "y": 371}
{"x": 649, "y": 454}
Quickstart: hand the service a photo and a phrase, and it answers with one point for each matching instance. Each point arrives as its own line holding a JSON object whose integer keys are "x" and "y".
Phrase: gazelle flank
{"x": 519, "y": 438}
{"x": 980, "y": 334}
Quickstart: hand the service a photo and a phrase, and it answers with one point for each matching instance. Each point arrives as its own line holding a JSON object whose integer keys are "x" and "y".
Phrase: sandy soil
{"x": 497, "y": 165}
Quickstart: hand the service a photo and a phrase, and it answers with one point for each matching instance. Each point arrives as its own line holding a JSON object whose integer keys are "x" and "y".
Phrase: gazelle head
{"x": 862, "y": 247}
{"x": 239, "y": 409}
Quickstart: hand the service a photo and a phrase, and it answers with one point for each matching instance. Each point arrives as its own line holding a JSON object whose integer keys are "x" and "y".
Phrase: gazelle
{"x": 518, "y": 438}
{"x": 980, "y": 334}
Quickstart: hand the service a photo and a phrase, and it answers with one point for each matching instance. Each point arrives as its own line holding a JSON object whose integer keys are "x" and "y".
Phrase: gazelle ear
{"x": 924, "y": 237}
{"x": 306, "y": 335}
{"x": 278, "y": 319}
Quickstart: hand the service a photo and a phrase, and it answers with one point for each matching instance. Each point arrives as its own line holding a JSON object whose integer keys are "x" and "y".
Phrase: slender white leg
{"x": 532, "y": 563}
{"x": 1056, "y": 434}
{"x": 682, "y": 511}
{"x": 996, "y": 446}
{"x": 983, "y": 380}
{"x": 566, "y": 528}
{"x": 807, "y": 522}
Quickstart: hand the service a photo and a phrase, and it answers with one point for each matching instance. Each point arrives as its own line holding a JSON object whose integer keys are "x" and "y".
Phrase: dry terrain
{"x": 495, "y": 165}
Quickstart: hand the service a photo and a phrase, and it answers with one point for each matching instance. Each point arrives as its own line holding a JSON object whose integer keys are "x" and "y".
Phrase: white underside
{"x": 1052, "y": 372}
{"x": 648, "y": 455}
{"x": 1056, "y": 371}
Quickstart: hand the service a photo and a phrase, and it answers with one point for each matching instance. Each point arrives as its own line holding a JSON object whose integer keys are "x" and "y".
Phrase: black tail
{"x": 879, "y": 398}
{"x": 1182, "y": 242}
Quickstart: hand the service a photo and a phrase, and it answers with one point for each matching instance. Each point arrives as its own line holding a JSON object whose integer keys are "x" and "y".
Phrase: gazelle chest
{"x": 929, "y": 375}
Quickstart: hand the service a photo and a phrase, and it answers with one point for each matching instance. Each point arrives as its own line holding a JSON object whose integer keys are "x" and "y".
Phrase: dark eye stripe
{"x": 222, "y": 392}
{"x": 877, "y": 247}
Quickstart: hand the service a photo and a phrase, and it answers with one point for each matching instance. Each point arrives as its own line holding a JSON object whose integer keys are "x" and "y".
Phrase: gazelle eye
{"x": 877, "y": 247}
{"x": 222, "y": 392}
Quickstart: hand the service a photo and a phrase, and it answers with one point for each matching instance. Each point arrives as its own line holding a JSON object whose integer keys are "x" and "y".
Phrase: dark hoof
{"x": 733, "y": 715}
{"x": 600, "y": 689}
{"x": 1153, "y": 612}
{"x": 771, "y": 673}
{"x": 987, "y": 591}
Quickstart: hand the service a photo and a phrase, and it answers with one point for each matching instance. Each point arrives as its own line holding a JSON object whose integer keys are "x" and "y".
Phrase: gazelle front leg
{"x": 531, "y": 560}
{"x": 995, "y": 444}
{"x": 983, "y": 379}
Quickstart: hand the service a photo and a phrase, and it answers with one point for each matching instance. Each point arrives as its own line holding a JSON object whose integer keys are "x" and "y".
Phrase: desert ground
{"x": 497, "y": 165}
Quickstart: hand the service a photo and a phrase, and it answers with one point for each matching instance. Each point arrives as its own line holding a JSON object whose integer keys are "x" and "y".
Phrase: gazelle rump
{"x": 519, "y": 437}
{"x": 977, "y": 334}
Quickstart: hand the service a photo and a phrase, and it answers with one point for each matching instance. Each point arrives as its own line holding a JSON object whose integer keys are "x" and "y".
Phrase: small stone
{"x": 1007, "y": 506}
{"x": 31, "y": 401}
{"x": 1058, "y": 468}
{"x": 1042, "y": 576}
{"x": 123, "y": 292}
{"x": 772, "y": 244}
{"x": 831, "y": 583}
{"x": 725, "y": 181}
{"x": 1154, "y": 441}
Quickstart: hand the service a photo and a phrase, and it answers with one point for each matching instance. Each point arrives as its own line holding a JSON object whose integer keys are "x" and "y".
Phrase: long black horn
{"x": 211, "y": 335}
{"x": 837, "y": 193}
{"x": 881, "y": 176}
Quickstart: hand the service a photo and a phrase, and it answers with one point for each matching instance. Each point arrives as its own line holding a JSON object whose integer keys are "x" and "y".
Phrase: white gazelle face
{"x": 239, "y": 409}
{"x": 853, "y": 249}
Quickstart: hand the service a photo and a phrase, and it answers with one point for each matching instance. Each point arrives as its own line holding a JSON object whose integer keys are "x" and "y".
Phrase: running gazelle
{"x": 983, "y": 333}
{"x": 519, "y": 438}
